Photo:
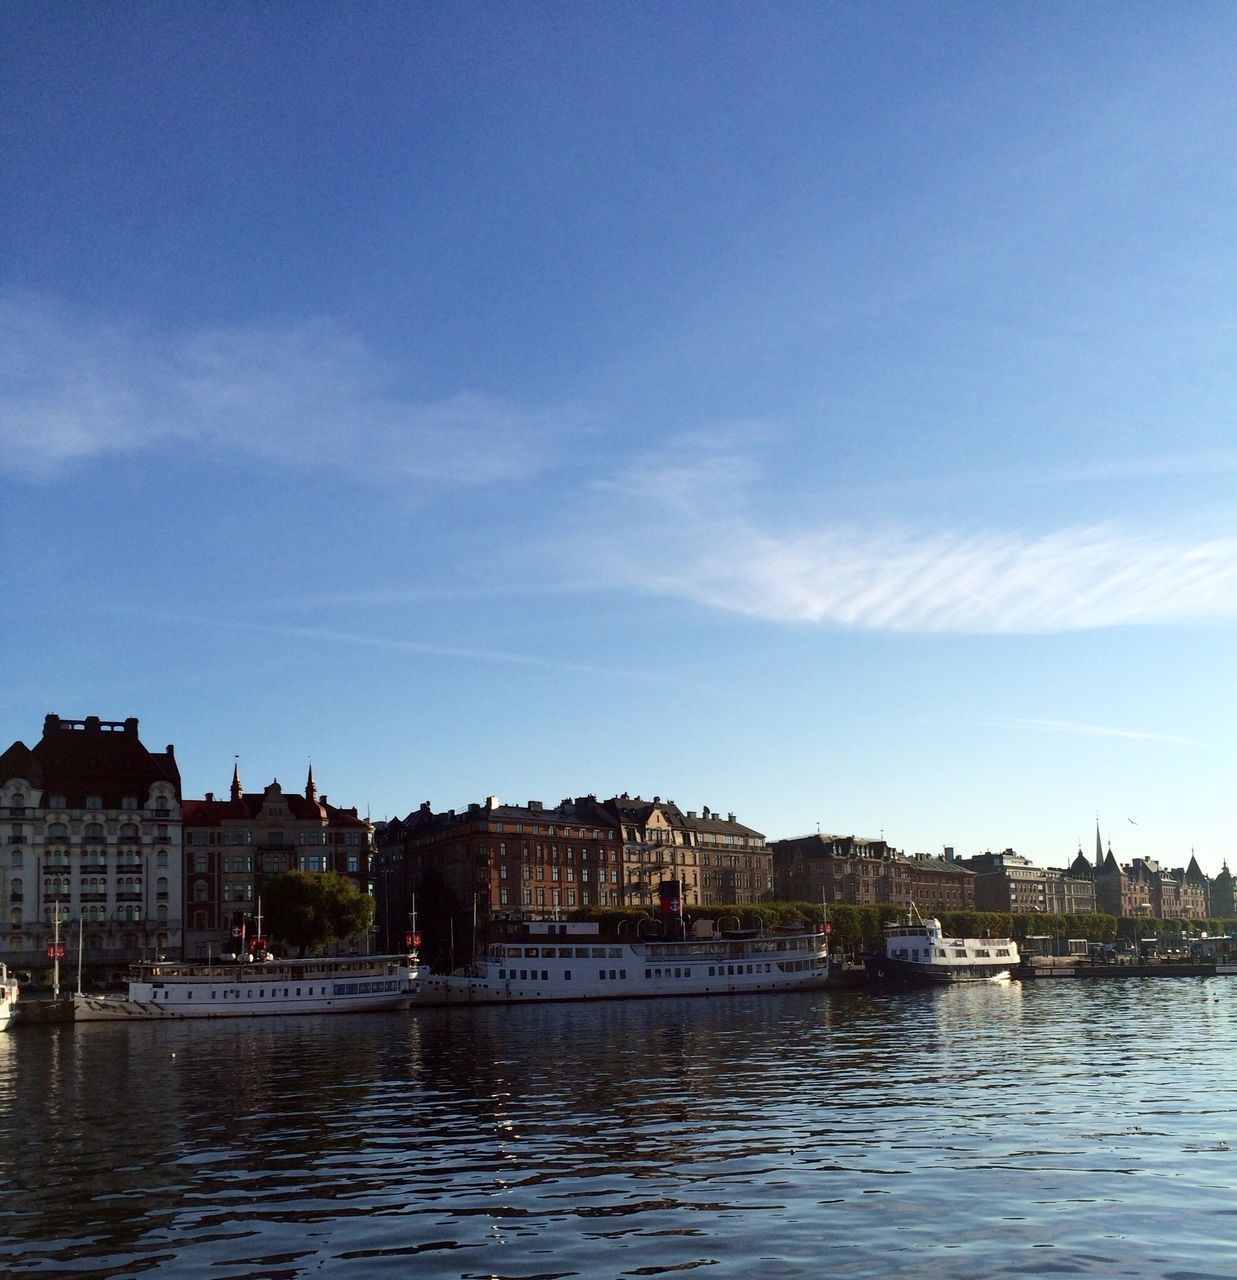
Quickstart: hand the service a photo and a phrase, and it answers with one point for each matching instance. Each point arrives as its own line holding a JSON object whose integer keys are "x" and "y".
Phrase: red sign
{"x": 55, "y": 950}
{"x": 412, "y": 940}
{"x": 259, "y": 944}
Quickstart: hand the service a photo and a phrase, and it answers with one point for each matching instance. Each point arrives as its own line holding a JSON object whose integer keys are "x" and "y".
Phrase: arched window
{"x": 94, "y": 831}
{"x": 162, "y": 914}
{"x": 15, "y": 915}
{"x": 161, "y": 887}
{"x": 128, "y": 831}
{"x": 15, "y": 858}
{"x": 18, "y": 801}
{"x": 57, "y": 831}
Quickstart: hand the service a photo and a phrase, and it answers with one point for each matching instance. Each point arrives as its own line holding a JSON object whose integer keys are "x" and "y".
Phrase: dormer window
{"x": 129, "y": 802}
{"x": 94, "y": 802}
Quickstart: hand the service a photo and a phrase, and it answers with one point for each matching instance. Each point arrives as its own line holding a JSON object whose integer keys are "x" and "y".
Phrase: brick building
{"x": 232, "y": 845}
{"x": 90, "y": 824}
{"x": 851, "y": 869}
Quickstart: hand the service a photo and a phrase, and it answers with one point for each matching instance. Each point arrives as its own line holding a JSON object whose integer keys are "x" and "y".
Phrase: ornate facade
{"x": 850, "y": 869}
{"x": 90, "y": 821}
{"x": 232, "y": 845}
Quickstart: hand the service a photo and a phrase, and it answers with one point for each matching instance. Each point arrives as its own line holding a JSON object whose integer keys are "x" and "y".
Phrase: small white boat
{"x": 255, "y": 988}
{"x": 8, "y": 997}
{"x": 918, "y": 951}
{"x": 542, "y": 960}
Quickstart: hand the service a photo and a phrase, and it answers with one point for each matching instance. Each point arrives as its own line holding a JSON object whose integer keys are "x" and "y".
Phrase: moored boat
{"x": 918, "y": 951}
{"x": 254, "y": 988}
{"x": 8, "y": 997}
{"x": 546, "y": 960}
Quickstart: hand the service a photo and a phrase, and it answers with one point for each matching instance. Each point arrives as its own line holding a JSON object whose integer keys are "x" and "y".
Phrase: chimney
{"x": 210, "y": 795}
{"x": 491, "y": 802}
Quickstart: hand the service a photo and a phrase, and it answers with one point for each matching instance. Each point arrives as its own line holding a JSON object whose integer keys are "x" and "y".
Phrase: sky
{"x": 819, "y": 412}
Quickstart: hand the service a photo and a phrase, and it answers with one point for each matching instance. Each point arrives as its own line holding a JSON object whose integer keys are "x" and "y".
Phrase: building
{"x": 852, "y": 869}
{"x": 1007, "y": 881}
{"x": 90, "y": 822}
{"x": 719, "y": 861}
{"x": 452, "y": 871}
{"x": 1070, "y": 891}
{"x": 232, "y": 845}
{"x": 447, "y": 872}
{"x": 1221, "y": 904}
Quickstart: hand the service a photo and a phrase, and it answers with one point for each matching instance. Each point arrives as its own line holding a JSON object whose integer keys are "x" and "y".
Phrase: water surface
{"x": 1070, "y": 1128}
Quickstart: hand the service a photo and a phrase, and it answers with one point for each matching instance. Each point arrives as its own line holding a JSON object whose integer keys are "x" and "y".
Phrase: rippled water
{"x": 1071, "y": 1128}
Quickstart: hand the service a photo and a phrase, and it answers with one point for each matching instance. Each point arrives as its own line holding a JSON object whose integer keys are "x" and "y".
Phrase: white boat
{"x": 918, "y": 951}
{"x": 8, "y": 997}
{"x": 256, "y": 988}
{"x": 572, "y": 960}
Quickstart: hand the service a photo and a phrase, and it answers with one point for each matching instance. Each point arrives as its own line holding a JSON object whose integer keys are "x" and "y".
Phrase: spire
{"x": 311, "y": 787}
{"x": 1099, "y": 847}
{"x": 236, "y": 779}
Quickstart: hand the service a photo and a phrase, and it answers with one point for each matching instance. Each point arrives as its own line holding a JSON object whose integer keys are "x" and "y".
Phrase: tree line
{"x": 855, "y": 929}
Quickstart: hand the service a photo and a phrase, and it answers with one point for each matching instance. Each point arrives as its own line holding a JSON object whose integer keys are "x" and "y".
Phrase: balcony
{"x": 94, "y": 897}
{"x": 56, "y": 897}
{"x": 128, "y": 897}
{"x": 132, "y": 868}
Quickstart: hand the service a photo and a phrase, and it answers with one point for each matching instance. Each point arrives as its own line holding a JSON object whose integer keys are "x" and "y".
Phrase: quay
{"x": 1065, "y": 967}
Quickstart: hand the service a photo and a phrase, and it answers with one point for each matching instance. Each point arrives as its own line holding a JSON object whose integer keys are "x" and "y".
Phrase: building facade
{"x": 851, "y": 869}
{"x": 718, "y": 861}
{"x": 91, "y": 831}
{"x": 232, "y": 845}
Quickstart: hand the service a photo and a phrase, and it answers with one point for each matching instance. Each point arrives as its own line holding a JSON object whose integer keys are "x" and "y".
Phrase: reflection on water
{"x": 1075, "y": 1128}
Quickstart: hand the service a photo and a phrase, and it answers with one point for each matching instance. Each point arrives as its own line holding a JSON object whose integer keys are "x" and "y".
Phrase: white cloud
{"x": 74, "y": 386}
{"x": 689, "y": 532}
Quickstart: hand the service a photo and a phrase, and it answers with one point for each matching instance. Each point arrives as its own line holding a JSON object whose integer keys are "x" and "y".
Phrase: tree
{"x": 310, "y": 910}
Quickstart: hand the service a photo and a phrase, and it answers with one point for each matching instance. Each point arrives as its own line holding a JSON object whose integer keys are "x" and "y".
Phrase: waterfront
{"x": 1077, "y": 1128}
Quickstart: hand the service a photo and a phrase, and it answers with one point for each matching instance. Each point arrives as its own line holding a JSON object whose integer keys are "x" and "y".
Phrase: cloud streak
{"x": 689, "y": 532}
{"x": 75, "y": 387}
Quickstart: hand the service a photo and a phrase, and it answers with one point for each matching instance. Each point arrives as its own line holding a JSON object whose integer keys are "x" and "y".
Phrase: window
{"x": 354, "y": 863}
{"x": 312, "y": 862}
{"x": 161, "y": 858}
{"x": 15, "y": 858}
{"x": 199, "y": 862}
{"x": 94, "y": 802}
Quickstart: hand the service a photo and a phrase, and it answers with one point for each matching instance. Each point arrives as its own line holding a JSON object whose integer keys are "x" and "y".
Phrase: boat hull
{"x": 121, "y": 1009}
{"x": 890, "y": 969}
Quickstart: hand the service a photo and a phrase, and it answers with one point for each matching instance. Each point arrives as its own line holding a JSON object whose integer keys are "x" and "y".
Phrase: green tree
{"x": 310, "y": 910}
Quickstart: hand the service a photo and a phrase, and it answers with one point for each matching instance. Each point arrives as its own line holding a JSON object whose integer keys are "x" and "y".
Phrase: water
{"x": 1068, "y": 1128}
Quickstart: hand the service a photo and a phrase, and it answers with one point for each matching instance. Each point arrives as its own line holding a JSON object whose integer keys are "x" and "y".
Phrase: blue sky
{"x": 819, "y": 412}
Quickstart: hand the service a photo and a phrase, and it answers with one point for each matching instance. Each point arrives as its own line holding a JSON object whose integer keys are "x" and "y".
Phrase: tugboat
{"x": 917, "y": 951}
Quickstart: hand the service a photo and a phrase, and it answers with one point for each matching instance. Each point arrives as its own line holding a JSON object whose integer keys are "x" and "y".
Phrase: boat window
{"x": 566, "y": 975}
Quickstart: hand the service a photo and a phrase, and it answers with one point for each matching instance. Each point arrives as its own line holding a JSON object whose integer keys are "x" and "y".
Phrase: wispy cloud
{"x": 400, "y": 645}
{"x": 1085, "y": 730}
{"x": 76, "y": 386}
{"x": 689, "y": 531}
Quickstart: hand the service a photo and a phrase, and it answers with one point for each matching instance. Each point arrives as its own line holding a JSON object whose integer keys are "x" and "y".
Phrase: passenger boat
{"x": 917, "y": 951}
{"x": 250, "y": 988}
{"x": 8, "y": 996}
{"x": 539, "y": 960}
